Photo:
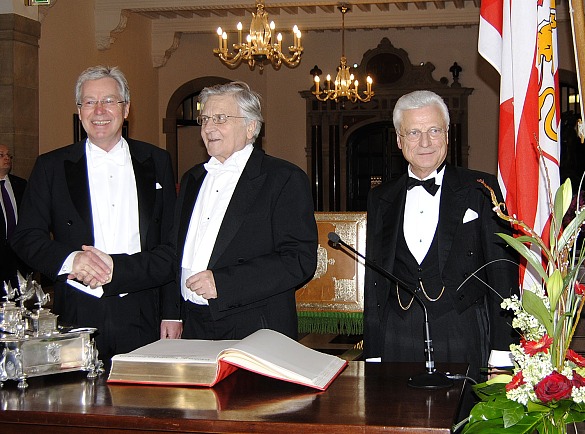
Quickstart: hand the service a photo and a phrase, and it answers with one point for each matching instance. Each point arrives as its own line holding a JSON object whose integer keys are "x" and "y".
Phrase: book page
{"x": 177, "y": 351}
{"x": 271, "y": 353}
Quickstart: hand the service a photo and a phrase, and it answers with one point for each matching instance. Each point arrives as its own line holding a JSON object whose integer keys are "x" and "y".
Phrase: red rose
{"x": 578, "y": 381}
{"x": 540, "y": 346}
{"x": 517, "y": 380}
{"x": 576, "y": 358}
{"x": 579, "y": 288}
{"x": 553, "y": 387}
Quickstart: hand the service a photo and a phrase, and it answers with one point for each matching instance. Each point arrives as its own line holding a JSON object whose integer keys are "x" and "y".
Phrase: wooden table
{"x": 366, "y": 397}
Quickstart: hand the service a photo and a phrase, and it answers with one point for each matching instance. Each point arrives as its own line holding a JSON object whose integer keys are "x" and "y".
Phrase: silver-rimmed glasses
{"x": 107, "y": 103}
{"x": 433, "y": 133}
{"x": 219, "y": 118}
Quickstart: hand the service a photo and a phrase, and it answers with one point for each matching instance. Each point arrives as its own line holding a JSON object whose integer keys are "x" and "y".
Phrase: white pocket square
{"x": 158, "y": 186}
{"x": 469, "y": 216}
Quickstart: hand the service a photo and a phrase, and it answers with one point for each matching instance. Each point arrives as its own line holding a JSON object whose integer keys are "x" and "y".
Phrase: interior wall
{"x": 67, "y": 46}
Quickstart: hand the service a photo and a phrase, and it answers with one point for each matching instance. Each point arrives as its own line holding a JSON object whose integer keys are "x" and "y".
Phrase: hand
{"x": 203, "y": 284}
{"x": 171, "y": 329}
{"x": 92, "y": 267}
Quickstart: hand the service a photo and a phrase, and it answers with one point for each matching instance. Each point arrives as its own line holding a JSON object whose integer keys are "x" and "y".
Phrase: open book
{"x": 204, "y": 363}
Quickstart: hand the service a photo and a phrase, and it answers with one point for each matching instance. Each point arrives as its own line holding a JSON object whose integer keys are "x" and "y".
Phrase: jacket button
{"x": 241, "y": 260}
{"x": 69, "y": 223}
{"x": 375, "y": 283}
{"x": 470, "y": 253}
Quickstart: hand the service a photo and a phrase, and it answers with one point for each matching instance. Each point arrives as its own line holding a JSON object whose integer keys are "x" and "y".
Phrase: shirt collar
{"x": 437, "y": 174}
{"x": 236, "y": 161}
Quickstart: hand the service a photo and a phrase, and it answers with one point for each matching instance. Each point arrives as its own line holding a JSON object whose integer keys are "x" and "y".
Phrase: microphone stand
{"x": 431, "y": 379}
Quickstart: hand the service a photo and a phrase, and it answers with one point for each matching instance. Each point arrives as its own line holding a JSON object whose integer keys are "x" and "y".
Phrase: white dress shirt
{"x": 421, "y": 216}
{"x": 210, "y": 207}
{"x": 114, "y": 205}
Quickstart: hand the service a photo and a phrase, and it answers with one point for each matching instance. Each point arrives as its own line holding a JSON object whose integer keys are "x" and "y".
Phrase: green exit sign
{"x": 36, "y": 2}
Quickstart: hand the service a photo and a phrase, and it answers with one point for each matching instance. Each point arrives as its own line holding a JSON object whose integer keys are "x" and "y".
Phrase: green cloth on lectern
{"x": 346, "y": 323}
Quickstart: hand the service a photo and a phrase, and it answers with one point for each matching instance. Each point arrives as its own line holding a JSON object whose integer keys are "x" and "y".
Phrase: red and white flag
{"x": 519, "y": 39}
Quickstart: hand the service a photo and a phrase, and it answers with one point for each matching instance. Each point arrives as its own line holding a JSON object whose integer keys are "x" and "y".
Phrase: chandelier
{"x": 259, "y": 47}
{"x": 345, "y": 84}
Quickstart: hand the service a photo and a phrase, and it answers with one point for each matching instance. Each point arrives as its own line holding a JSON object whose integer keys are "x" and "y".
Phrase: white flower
{"x": 578, "y": 394}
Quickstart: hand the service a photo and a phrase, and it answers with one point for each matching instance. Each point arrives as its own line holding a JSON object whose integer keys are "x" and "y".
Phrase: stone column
{"x": 19, "y": 89}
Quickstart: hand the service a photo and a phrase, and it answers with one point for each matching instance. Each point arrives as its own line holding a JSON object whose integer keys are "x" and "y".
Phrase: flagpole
{"x": 578, "y": 29}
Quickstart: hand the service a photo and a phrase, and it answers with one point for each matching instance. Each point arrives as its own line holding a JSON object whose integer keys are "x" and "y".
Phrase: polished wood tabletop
{"x": 366, "y": 397}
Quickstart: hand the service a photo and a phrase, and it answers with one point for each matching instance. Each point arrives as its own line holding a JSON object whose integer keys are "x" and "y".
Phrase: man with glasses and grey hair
{"x": 435, "y": 230}
{"x": 246, "y": 231}
{"x": 106, "y": 194}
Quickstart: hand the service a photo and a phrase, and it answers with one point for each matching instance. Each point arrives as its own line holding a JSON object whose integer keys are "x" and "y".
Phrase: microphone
{"x": 431, "y": 379}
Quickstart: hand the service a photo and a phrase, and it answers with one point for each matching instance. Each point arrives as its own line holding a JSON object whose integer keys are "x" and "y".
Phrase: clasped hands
{"x": 92, "y": 267}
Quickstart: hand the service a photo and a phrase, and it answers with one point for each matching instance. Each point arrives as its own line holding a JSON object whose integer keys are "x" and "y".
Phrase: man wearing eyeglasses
{"x": 435, "y": 230}
{"x": 104, "y": 194}
{"x": 11, "y": 189}
{"x": 246, "y": 231}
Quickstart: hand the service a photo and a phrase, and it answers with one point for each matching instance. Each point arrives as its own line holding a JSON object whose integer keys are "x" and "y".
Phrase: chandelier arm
{"x": 259, "y": 48}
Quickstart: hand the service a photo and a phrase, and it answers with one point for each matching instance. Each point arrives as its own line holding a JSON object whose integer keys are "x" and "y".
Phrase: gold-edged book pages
{"x": 205, "y": 363}
{"x": 333, "y": 301}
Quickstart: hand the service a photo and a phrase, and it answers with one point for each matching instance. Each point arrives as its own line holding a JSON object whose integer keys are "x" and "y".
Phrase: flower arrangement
{"x": 546, "y": 389}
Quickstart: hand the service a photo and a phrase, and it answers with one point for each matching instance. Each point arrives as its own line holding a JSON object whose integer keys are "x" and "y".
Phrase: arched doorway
{"x": 372, "y": 157}
{"x": 182, "y": 135}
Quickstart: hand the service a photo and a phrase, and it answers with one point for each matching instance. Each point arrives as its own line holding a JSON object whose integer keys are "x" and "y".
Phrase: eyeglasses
{"x": 433, "y": 133}
{"x": 6, "y": 155}
{"x": 219, "y": 118}
{"x": 107, "y": 103}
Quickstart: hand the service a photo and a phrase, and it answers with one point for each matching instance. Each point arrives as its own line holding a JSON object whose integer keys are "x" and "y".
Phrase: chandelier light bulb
{"x": 344, "y": 79}
{"x": 260, "y": 48}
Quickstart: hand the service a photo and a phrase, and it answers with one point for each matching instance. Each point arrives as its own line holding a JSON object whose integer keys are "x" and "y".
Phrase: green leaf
{"x": 526, "y": 425}
{"x": 563, "y": 198}
{"x": 570, "y": 230}
{"x": 554, "y": 288}
{"x": 535, "y": 307}
{"x": 500, "y": 378}
{"x": 518, "y": 245}
{"x": 512, "y": 416}
{"x": 535, "y": 407}
{"x": 488, "y": 391}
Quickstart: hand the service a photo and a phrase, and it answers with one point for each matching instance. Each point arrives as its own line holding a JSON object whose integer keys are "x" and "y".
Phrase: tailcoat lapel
{"x": 75, "y": 168}
{"x": 244, "y": 197}
{"x": 145, "y": 176}
{"x": 452, "y": 209}
{"x": 392, "y": 214}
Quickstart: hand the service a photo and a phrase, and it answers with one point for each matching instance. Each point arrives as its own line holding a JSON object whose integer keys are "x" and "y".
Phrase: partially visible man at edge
{"x": 12, "y": 189}
{"x": 114, "y": 194}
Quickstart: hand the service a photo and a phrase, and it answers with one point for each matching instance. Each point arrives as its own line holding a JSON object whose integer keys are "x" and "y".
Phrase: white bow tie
{"x": 118, "y": 157}
{"x": 217, "y": 168}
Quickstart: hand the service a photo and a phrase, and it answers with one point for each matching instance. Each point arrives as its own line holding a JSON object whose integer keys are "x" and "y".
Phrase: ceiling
{"x": 293, "y": 8}
{"x": 172, "y": 18}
